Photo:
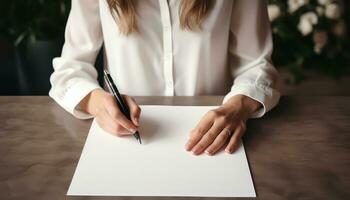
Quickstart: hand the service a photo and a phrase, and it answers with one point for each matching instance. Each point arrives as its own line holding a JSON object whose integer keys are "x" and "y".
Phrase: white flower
{"x": 305, "y": 28}
{"x": 332, "y": 11}
{"x": 274, "y": 11}
{"x": 306, "y": 23}
{"x": 320, "y": 39}
{"x": 339, "y": 28}
{"x": 324, "y": 2}
{"x": 320, "y": 10}
{"x": 296, "y": 4}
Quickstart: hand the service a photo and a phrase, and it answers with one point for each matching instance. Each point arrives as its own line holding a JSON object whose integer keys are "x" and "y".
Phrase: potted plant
{"x": 310, "y": 35}
{"x": 8, "y": 81}
{"x": 36, "y": 29}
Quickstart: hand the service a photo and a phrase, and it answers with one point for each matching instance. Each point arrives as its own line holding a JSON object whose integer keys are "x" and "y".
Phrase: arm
{"x": 74, "y": 81}
{"x": 252, "y": 93}
{"x": 250, "y": 48}
{"x": 74, "y": 75}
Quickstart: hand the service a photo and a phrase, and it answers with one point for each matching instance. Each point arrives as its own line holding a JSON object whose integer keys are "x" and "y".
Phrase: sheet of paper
{"x": 112, "y": 166}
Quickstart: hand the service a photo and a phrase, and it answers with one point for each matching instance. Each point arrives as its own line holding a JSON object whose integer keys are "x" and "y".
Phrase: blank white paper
{"x": 112, "y": 166}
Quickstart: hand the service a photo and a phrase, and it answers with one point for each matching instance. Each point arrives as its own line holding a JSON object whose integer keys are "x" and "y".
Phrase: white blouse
{"x": 230, "y": 55}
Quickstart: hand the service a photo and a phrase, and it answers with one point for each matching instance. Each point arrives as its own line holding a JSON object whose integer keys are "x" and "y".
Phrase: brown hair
{"x": 191, "y": 12}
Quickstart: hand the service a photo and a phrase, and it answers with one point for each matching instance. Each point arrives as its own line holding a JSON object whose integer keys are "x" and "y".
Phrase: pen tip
{"x": 140, "y": 141}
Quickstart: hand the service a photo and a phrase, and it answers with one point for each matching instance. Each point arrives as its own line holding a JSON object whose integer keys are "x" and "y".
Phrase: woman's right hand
{"x": 103, "y": 106}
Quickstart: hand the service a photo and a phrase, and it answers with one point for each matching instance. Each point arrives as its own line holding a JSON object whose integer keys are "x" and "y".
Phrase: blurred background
{"x": 311, "y": 42}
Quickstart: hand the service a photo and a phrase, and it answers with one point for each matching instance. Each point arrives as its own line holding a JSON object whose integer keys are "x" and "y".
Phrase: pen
{"x": 120, "y": 101}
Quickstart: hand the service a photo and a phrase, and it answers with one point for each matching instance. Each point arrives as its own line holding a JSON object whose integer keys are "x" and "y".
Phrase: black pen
{"x": 120, "y": 101}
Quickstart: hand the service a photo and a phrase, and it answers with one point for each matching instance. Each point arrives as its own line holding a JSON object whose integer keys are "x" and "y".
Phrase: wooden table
{"x": 300, "y": 150}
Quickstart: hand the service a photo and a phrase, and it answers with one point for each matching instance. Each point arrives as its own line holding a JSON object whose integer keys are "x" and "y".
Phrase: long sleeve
{"x": 250, "y": 50}
{"x": 74, "y": 73}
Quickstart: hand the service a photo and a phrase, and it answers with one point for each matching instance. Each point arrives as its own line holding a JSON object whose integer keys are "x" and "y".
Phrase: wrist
{"x": 243, "y": 105}
{"x": 87, "y": 104}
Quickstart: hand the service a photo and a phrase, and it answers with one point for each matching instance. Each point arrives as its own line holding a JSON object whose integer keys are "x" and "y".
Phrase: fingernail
{"x": 133, "y": 130}
{"x": 137, "y": 121}
{"x": 207, "y": 152}
{"x": 187, "y": 147}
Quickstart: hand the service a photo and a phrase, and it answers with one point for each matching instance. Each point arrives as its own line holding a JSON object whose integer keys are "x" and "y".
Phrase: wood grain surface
{"x": 300, "y": 150}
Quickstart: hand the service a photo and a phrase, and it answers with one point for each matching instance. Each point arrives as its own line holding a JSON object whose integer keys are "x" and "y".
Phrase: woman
{"x": 167, "y": 48}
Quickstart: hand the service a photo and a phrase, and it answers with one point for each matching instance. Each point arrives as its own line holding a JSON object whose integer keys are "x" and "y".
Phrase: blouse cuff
{"x": 74, "y": 94}
{"x": 268, "y": 97}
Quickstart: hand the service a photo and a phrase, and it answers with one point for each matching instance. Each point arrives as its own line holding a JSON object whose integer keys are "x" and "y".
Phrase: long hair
{"x": 191, "y": 13}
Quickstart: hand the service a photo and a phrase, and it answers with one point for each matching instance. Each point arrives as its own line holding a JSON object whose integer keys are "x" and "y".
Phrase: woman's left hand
{"x": 226, "y": 123}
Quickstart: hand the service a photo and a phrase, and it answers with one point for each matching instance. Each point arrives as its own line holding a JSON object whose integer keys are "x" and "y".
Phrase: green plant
{"x": 310, "y": 34}
{"x": 35, "y": 19}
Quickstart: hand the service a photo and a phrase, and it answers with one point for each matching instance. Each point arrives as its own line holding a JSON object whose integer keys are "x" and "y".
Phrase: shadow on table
{"x": 258, "y": 129}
